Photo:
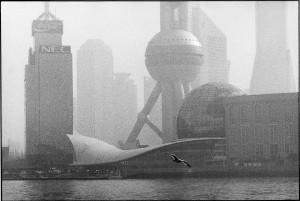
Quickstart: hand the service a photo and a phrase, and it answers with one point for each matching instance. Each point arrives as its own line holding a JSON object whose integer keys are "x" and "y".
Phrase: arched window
{"x": 232, "y": 115}
{"x": 273, "y": 112}
{"x": 288, "y": 112}
{"x": 258, "y": 113}
{"x": 244, "y": 114}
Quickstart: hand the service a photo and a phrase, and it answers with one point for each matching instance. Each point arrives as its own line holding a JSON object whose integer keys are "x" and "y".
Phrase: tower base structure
{"x": 272, "y": 73}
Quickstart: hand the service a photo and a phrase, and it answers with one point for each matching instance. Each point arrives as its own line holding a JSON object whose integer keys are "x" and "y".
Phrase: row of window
{"x": 243, "y": 113}
{"x": 259, "y": 150}
{"x": 246, "y": 134}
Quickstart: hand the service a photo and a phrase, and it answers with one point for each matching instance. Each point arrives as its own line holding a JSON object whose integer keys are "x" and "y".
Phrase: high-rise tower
{"x": 215, "y": 66}
{"x": 94, "y": 90}
{"x": 124, "y": 107}
{"x": 48, "y": 94}
{"x": 272, "y": 71}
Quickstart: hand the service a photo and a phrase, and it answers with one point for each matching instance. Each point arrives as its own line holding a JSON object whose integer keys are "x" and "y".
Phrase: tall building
{"x": 190, "y": 17}
{"x": 215, "y": 66}
{"x": 125, "y": 107}
{"x": 94, "y": 90}
{"x": 48, "y": 94}
{"x": 272, "y": 71}
{"x": 148, "y": 136}
{"x": 74, "y": 114}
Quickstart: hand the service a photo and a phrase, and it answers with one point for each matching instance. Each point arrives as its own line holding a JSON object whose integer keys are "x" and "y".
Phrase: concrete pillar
{"x": 172, "y": 95}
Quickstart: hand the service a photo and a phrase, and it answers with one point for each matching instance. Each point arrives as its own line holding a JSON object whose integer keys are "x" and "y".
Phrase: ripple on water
{"x": 154, "y": 189}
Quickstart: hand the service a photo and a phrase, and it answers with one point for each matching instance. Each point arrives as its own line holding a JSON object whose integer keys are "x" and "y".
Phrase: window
{"x": 274, "y": 149}
{"x": 273, "y": 134}
{"x": 258, "y": 113}
{"x": 256, "y": 134}
{"x": 232, "y": 149}
{"x": 273, "y": 112}
{"x": 259, "y": 133}
{"x": 291, "y": 132}
{"x": 244, "y": 114}
{"x": 232, "y": 115}
{"x": 244, "y": 134}
{"x": 288, "y": 113}
{"x": 259, "y": 149}
{"x": 287, "y": 149}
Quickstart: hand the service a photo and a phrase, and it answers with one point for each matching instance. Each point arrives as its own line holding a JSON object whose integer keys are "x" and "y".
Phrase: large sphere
{"x": 202, "y": 112}
{"x": 173, "y": 55}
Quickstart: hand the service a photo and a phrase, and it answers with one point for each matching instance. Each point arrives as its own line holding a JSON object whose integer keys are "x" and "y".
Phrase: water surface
{"x": 154, "y": 189}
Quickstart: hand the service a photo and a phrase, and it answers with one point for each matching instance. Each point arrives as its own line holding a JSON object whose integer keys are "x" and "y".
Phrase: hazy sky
{"x": 126, "y": 27}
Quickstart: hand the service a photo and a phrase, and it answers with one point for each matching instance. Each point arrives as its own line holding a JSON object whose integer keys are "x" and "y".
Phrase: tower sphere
{"x": 172, "y": 55}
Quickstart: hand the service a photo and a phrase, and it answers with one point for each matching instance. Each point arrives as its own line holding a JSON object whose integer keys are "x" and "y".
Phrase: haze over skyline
{"x": 127, "y": 27}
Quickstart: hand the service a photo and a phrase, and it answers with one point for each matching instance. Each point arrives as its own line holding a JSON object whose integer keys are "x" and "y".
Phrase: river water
{"x": 154, "y": 189}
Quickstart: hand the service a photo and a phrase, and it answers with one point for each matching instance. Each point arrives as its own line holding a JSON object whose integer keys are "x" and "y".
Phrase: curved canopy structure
{"x": 90, "y": 151}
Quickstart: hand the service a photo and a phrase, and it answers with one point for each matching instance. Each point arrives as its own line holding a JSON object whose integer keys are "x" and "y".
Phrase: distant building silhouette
{"x": 94, "y": 89}
{"x": 190, "y": 17}
{"x": 124, "y": 109}
{"x": 48, "y": 94}
{"x": 216, "y": 66}
{"x": 272, "y": 71}
{"x": 74, "y": 114}
{"x": 5, "y": 153}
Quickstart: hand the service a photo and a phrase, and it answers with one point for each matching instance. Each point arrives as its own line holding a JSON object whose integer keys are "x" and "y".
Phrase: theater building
{"x": 261, "y": 127}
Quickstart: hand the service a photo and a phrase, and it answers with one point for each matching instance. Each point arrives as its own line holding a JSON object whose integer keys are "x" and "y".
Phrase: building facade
{"x": 48, "y": 94}
{"x": 262, "y": 126}
{"x": 256, "y": 127}
{"x": 94, "y": 87}
{"x": 216, "y": 66}
{"x": 272, "y": 71}
{"x": 125, "y": 107}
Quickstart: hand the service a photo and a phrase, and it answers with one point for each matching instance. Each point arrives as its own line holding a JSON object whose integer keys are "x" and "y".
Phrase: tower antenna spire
{"x": 46, "y": 6}
{"x": 46, "y": 10}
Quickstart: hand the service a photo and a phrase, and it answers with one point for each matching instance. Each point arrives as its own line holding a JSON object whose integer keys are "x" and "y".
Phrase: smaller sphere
{"x": 173, "y": 55}
{"x": 202, "y": 112}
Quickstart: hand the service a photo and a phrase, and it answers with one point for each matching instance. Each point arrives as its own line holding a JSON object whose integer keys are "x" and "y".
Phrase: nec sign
{"x": 55, "y": 49}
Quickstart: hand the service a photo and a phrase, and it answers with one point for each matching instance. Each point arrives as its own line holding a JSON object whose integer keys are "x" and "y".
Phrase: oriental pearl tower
{"x": 173, "y": 59}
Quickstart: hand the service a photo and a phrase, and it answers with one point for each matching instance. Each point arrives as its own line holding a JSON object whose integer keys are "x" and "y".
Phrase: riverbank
{"x": 212, "y": 173}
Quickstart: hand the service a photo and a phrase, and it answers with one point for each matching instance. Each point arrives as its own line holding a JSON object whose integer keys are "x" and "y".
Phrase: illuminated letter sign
{"x": 44, "y": 26}
{"x": 55, "y": 49}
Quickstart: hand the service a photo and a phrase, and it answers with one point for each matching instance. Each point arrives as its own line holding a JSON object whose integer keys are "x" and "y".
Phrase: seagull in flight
{"x": 178, "y": 160}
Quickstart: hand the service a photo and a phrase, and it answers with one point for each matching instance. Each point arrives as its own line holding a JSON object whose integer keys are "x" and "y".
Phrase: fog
{"x": 126, "y": 27}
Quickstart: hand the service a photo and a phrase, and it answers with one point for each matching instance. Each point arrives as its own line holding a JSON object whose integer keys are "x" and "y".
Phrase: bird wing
{"x": 175, "y": 157}
{"x": 186, "y": 163}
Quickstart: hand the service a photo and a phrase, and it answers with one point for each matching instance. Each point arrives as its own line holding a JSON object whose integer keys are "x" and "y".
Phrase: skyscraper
{"x": 272, "y": 71}
{"x": 48, "y": 94}
{"x": 215, "y": 66}
{"x": 94, "y": 90}
{"x": 190, "y": 17}
{"x": 124, "y": 107}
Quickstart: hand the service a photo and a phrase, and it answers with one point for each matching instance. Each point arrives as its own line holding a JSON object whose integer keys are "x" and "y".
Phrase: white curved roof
{"x": 91, "y": 151}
